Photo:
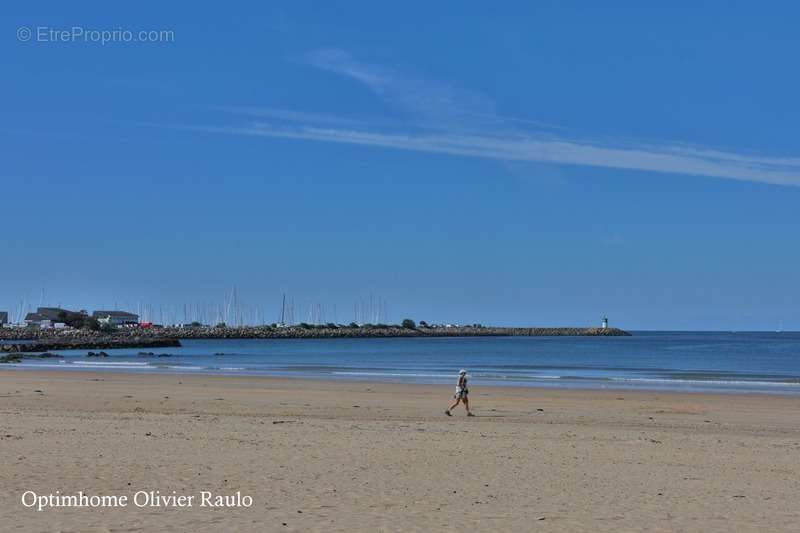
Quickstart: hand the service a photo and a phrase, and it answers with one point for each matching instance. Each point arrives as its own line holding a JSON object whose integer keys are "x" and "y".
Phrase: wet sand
{"x": 336, "y": 456}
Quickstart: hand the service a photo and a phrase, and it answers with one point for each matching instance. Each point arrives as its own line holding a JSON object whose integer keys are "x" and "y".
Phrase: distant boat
{"x": 780, "y": 327}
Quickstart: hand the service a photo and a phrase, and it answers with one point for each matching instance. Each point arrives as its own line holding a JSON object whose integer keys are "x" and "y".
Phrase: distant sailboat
{"x": 780, "y": 327}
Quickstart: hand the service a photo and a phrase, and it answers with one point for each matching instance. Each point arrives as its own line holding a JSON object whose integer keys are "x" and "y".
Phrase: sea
{"x": 649, "y": 360}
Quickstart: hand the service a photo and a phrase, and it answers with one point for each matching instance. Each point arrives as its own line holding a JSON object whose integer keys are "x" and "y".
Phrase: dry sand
{"x": 324, "y": 456}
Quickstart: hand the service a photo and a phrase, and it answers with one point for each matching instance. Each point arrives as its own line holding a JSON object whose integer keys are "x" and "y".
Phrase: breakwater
{"x": 144, "y": 338}
{"x": 266, "y": 332}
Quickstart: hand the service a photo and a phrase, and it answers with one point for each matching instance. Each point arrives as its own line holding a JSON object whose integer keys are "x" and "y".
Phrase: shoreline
{"x": 544, "y": 386}
{"x": 318, "y": 383}
{"x": 357, "y": 456}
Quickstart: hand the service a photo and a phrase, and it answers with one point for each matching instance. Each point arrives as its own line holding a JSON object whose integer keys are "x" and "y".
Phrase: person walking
{"x": 461, "y": 395}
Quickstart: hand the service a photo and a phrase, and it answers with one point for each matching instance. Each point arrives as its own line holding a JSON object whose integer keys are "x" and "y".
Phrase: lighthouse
{"x": 605, "y": 322}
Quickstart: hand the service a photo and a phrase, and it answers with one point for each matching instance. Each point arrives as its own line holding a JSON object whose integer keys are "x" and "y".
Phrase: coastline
{"x": 361, "y": 456}
{"x": 619, "y": 386}
{"x": 268, "y": 382}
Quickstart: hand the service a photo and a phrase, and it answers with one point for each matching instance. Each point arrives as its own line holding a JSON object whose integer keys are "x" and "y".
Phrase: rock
{"x": 16, "y": 357}
{"x": 80, "y": 342}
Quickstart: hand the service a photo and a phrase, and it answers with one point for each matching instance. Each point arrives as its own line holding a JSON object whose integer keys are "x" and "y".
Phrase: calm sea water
{"x": 735, "y": 362}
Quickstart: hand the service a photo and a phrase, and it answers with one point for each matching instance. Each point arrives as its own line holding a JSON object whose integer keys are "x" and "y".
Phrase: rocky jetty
{"x": 323, "y": 332}
{"x": 106, "y": 342}
{"x": 166, "y": 336}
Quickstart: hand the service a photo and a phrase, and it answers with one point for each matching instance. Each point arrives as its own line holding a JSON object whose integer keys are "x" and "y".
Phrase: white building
{"x": 116, "y": 318}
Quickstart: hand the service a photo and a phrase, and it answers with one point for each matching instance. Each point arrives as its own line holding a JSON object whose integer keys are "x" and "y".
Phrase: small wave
{"x": 712, "y": 382}
{"x": 37, "y": 365}
{"x": 393, "y": 374}
{"x": 109, "y": 363}
{"x": 331, "y": 368}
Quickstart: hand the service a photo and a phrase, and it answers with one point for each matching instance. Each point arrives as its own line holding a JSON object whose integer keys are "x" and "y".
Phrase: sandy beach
{"x": 336, "y": 456}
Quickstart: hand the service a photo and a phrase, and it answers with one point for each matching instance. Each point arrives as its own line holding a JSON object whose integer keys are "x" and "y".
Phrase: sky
{"x": 541, "y": 163}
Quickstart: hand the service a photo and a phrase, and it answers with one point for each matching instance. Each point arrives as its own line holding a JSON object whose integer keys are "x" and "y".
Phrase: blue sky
{"x": 529, "y": 164}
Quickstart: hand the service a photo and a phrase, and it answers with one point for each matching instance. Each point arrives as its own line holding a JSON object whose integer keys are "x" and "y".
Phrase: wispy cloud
{"x": 427, "y": 102}
{"x": 439, "y": 118}
{"x": 669, "y": 159}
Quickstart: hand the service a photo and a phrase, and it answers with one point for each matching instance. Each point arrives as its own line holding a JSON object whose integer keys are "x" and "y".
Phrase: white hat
{"x": 462, "y": 371}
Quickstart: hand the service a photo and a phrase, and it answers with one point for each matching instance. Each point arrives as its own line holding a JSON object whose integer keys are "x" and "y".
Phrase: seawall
{"x": 143, "y": 338}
